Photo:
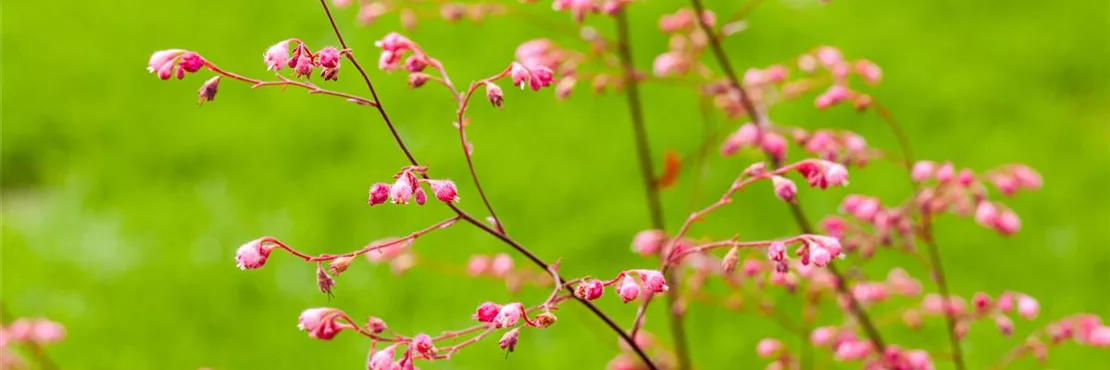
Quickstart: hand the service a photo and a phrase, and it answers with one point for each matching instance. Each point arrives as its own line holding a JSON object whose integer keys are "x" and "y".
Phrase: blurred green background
{"x": 123, "y": 202}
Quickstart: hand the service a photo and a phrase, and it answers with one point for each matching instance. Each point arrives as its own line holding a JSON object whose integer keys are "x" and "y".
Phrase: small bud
{"x": 445, "y": 190}
{"x": 965, "y": 178}
{"x": 502, "y": 265}
{"x": 819, "y": 256}
{"x": 822, "y": 336}
{"x": 418, "y": 79}
{"x": 545, "y": 319}
{"x": 495, "y": 95}
{"x": 946, "y": 172}
{"x": 487, "y": 311}
{"x": 1028, "y": 307}
{"x": 653, "y": 281}
{"x": 784, "y": 188}
{"x": 732, "y": 258}
{"x": 869, "y": 71}
{"x": 628, "y": 290}
{"x": 419, "y": 196}
{"x": 320, "y": 323}
{"x": 755, "y": 169}
{"x": 423, "y": 345}
{"x": 564, "y": 87}
{"x": 923, "y": 170}
{"x": 416, "y": 63}
{"x": 375, "y": 325}
{"x": 775, "y": 145}
{"x": 1006, "y": 302}
{"x": 379, "y": 194}
{"x": 1005, "y": 324}
{"x": 401, "y": 191}
{"x": 208, "y": 90}
{"x": 477, "y": 265}
{"x": 649, "y": 242}
{"x": 1007, "y": 223}
{"x": 982, "y": 302}
{"x": 520, "y": 75}
{"x": 383, "y": 359}
{"x": 776, "y": 251}
{"x": 590, "y": 290}
{"x": 508, "y": 341}
{"x": 323, "y": 281}
{"x": 340, "y": 264}
{"x": 768, "y": 348}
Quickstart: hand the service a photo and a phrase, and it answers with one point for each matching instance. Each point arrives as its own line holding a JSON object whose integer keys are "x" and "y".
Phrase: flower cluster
{"x": 174, "y": 62}
{"x": 302, "y": 60}
{"x": 34, "y": 332}
{"x": 407, "y": 186}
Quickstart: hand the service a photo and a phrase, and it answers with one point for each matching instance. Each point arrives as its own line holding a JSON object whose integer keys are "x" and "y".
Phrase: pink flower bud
{"x": 445, "y": 190}
{"x": 828, "y": 55}
{"x": 383, "y": 359}
{"x": 776, "y": 251}
{"x": 751, "y": 268}
{"x": 670, "y": 63}
{"x": 1099, "y": 337}
{"x": 835, "y": 174}
{"x": 986, "y": 214}
{"x": 329, "y": 57}
{"x": 477, "y": 265}
{"x": 822, "y": 336}
{"x": 946, "y": 172}
{"x": 541, "y": 77}
{"x": 1006, "y": 302}
{"x": 415, "y": 63}
{"x": 423, "y": 345}
{"x": 369, "y": 12}
{"x": 1005, "y": 325}
{"x": 502, "y": 265}
{"x": 394, "y": 42}
{"x": 784, "y": 188}
{"x": 776, "y": 73}
{"x": 1028, "y": 307}
{"x": 379, "y": 194}
{"x": 375, "y": 325}
{"x": 487, "y": 311}
{"x": 565, "y": 87}
{"x": 834, "y": 95}
{"x": 922, "y": 170}
{"x": 508, "y": 341}
{"x": 253, "y": 254}
{"x": 747, "y": 134}
{"x": 1027, "y": 177}
{"x": 869, "y": 71}
{"x": 208, "y": 90}
{"x": 768, "y": 348}
{"x": 389, "y": 60}
{"x": 508, "y": 315}
{"x": 982, "y": 302}
{"x": 819, "y": 256}
{"x": 520, "y": 75}
{"x": 320, "y": 323}
{"x": 912, "y": 319}
{"x": 590, "y": 290}
{"x": 852, "y": 350}
{"x": 774, "y": 144}
{"x": 276, "y": 56}
{"x": 161, "y": 59}
{"x": 420, "y": 197}
{"x": 1007, "y": 223}
{"x": 191, "y": 62}
{"x": 731, "y": 259}
{"x": 649, "y": 242}
{"x": 628, "y": 289}
{"x": 965, "y": 178}
{"x": 919, "y": 360}
{"x": 495, "y": 95}
{"x": 653, "y": 281}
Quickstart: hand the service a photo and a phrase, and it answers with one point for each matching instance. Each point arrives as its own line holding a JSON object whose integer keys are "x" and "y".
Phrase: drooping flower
{"x": 253, "y": 254}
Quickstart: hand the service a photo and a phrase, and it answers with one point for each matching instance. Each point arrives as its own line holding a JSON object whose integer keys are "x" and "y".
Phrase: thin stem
{"x": 365, "y": 250}
{"x": 464, "y": 101}
{"x": 467, "y": 217}
{"x": 651, "y": 185}
{"x": 795, "y": 208}
{"x": 284, "y": 81}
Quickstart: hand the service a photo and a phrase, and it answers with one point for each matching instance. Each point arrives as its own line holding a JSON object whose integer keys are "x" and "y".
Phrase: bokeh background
{"x": 123, "y": 202}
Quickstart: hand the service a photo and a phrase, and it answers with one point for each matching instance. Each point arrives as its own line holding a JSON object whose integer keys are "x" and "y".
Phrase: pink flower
{"x": 253, "y": 254}
{"x": 747, "y": 134}
{"x": 44, "y": 331}
{"x": 401, "y": 191}
{"x": 902, "y": 283}
{"x": 161, "y": 58}
{"x": 520, "y": 75}
{"x": 320, "y": 323}
{"x": 383, "y": 359}
{"x": 776, "y": 251}
{"x": 965, "y": 178}
{"x": 869, "y": 71}
{"x": 1100, "y": 337}
{"x": 1007, "y": 223}
{"x": 1027, "y": 177}
{"x": 487, "y": 311}
{"x": 502, "y": 265}
{"x": 649, "y": 242}
{"x": 277, "y": 56}
{"x": 1005, "y": 325}
{"x": 852, "y": 350}
{"x": 823, "y": 174}
{"x": 1028, "y": 307}
{"x": 508, "y": 315}
{"x": 1006, "y": 302}
{"x": 833, "y": 226}
{"x": 653, "y": 281}
{"x": 822, "y": 336}
{"x": 369, "y": 12}
{"x": 669, "y": 64}
{"x": 477, "y": 265}
{"x": 191, "y": 62}
{"x": 628, "y": 289}
{"x": 495, "y": 95}
{"x": 986, "y": 214}
{"x": 768, "y": 348}
{"x": 541, "y": 77}
{"x": 834, "y": 95}
{"x": 836, "y": 174}
{"x": 982, "y": 302}
{"x": 420, "y": 196}
{"x": 394, "y": 42}
{"x": 681, "y": 19}
{"x": 776, "y": 73}
{"x": 329, "y": 57}
{"x": 819, "y": 256}
{"x": 774, "y": 144}
{"x": 828, "y": 55}
{"x": 590, "y": 290}
{"x": 415, "y": 63}
{"x": 444, "y": 190}
{"x": 379, "y": 194}
{"x": 922, "y": 170}
{"x": 423, "y": 345}
{"x": 919, "y": 360}
{"x": 389, "y": 60}
{"x": 508, "y": 341}
{"x": 784, "y": 188}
